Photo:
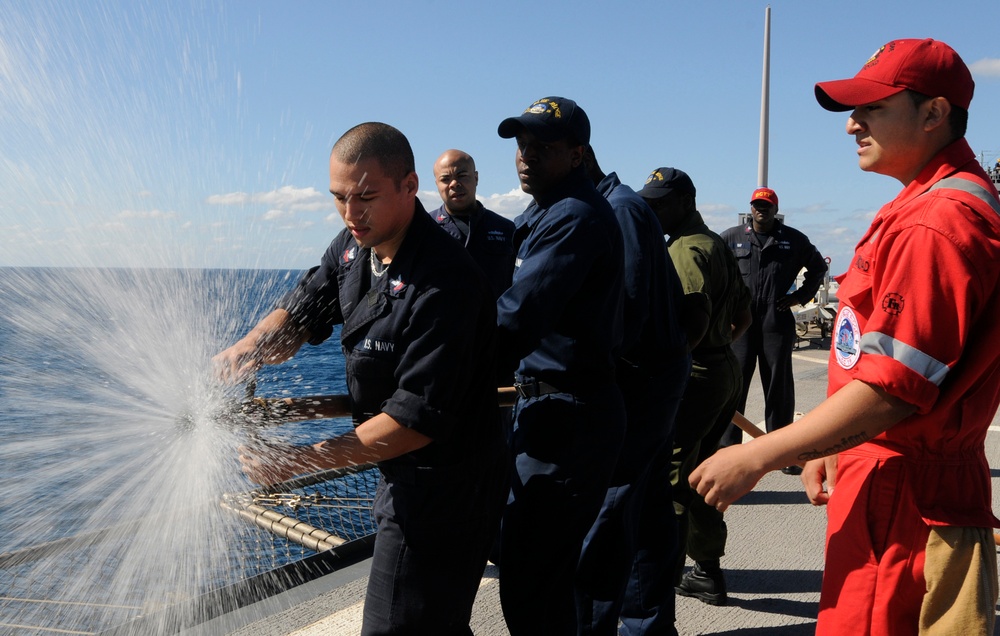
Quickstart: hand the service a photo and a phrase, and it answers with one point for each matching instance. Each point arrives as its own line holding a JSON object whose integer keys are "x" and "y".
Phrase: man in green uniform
{"x": 715, "y": 311}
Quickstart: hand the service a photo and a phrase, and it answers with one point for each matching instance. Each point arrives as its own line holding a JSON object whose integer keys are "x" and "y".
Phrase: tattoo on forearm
{"x": 845, "y": 443}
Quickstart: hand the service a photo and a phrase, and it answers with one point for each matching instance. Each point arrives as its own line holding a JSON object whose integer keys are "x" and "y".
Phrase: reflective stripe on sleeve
{"x": 916, "y": 360}
{"x": 970, "y": 187}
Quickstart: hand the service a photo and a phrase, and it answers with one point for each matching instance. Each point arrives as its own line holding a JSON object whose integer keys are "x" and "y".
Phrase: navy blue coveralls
{"x": 560, "y": 325}
{"x": 489, "y": 239}
{"x": 769, "y": 264}
{"x": 418, "y": 345}
{"x": 651, "y": 375}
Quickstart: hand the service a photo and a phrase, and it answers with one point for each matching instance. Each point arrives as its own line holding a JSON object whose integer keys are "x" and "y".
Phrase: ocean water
{"x": 113, "y": 454}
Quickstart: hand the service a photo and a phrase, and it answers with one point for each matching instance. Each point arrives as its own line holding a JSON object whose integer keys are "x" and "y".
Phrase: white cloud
{"x": 286, "y": 197}
{"x": 986, "y": 67}
{"x": 719, "y": 216}
{"x": 282, "y": 203}
{"x": 851, "y": 233}
{"x": 273, "y": 214}
{"x": 233, "y": 198}
{"x": 815, "y": 208}
{"x": 507, "y": 205}
{"x": 430, "y": 200}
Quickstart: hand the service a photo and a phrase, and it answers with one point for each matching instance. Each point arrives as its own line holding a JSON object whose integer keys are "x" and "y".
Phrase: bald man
{"x": 486, "y": 235}
{"x": 418, "y": 340}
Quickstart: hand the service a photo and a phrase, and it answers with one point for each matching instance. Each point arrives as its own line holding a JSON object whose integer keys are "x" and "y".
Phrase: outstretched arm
{"x": 376, "y": 439}
{"x": 275, "y": 339}
{"x": 851, "y": 416}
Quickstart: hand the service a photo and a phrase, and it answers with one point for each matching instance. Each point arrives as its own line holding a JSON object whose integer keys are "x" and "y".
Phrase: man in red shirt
{"x": 914, "y": 375}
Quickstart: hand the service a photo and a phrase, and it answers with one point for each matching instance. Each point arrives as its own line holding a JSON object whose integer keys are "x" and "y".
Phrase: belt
{"x": 534, "y": 389}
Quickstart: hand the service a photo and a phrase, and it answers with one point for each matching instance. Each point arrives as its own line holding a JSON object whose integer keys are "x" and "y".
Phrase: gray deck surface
{"x": 773, "y": 563}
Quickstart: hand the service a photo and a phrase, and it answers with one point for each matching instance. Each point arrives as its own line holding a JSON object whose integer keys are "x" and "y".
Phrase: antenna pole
{"x": 764, "y": 92}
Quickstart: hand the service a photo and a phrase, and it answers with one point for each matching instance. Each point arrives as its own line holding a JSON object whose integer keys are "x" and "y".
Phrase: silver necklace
{"x": 375, "y": 272}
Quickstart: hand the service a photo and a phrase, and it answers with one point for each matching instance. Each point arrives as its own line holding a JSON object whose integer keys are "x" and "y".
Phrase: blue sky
{"x": 196, "y": 134}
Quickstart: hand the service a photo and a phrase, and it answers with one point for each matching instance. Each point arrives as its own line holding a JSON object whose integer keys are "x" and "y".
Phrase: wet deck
{"x": 773, "y": 565}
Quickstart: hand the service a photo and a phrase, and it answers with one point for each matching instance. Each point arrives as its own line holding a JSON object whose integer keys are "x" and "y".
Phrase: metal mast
{"x": 764, "y": 92}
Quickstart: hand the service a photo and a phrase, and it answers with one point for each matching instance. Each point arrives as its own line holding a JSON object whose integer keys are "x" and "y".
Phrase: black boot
{"x": 705, "y": 582}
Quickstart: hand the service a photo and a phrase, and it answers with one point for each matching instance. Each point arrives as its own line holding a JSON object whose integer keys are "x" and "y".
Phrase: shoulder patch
{"x": 847, "y": 346}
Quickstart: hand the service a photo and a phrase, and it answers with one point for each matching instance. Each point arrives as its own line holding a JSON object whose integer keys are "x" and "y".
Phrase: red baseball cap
{"x": 764, "y": 194}
{"x": 928, "y": 67}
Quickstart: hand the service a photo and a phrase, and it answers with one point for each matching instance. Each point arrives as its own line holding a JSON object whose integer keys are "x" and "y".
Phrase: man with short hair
{"x": 716, "y": 311}
{"x": 914, "y": 375}
{"x": 770, "y": 255}
{"x": 486, "y": 235}
{"x": 418, "y": 340}
{"x": 560, "y": 334}
{"x": 652, "y": 372}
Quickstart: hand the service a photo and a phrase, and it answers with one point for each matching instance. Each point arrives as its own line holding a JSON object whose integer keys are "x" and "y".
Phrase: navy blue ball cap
{"x": 663, "y": 181}
{"x": 550, "y": 119}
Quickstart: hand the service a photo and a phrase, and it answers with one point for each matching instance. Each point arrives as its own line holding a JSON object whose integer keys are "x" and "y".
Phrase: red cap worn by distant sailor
{"x": 928, "y": 67}
{"x": 764, "y": 194}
